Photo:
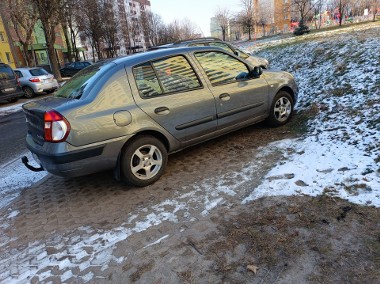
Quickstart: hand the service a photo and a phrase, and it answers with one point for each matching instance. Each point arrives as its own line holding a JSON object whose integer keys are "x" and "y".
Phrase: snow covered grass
{"x": 338, "y": 75}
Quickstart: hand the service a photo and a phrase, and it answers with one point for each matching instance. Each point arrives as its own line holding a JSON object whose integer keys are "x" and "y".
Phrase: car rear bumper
{"x": 65, "y": 160}
{"x": 44, "y": 87}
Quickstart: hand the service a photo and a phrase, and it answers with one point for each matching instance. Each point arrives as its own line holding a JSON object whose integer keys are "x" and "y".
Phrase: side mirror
{"x": 256, "y": 72}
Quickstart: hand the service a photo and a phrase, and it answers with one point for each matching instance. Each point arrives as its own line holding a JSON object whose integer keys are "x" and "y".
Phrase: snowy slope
{"x": 339, "y": 78}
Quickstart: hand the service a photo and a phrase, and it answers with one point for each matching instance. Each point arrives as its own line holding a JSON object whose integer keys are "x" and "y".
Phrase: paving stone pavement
{"x": 95, "y": 229}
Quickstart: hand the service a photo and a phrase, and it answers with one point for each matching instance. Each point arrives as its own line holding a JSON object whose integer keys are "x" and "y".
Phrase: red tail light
{"x": 18, "y": 82}
{"x": 57, "y": 128}
{"x": 34, "y": 80}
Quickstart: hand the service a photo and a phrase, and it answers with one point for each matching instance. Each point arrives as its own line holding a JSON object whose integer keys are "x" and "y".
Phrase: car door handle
{"x": 162, "y": 111}
{"x": 225, "y": 97}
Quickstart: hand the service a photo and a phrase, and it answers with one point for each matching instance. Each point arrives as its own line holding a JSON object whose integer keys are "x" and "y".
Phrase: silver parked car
{"x": 129, "y": 113}
{"x": 36, "y": 80}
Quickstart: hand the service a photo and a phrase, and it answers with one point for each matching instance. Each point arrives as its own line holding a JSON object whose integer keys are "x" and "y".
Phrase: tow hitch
{"x": 25, "y": 161}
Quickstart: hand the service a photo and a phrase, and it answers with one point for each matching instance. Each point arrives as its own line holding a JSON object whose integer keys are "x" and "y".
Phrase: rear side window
{"x": 38, "y": 72}
{"x": 168, "y": 75}
{"x": 147, "y": 81}
{"x": 6, "y": 73}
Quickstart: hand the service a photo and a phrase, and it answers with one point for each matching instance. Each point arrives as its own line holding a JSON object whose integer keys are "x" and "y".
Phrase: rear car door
{"x": 171, "y": 93}
{"x": 238, "y": 98}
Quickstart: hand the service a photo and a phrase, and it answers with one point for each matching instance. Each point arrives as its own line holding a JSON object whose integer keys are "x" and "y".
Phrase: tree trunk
{"x": 68, "y": 43}
{"x": 50, "y": 40}
{"x": 28, "y": 56}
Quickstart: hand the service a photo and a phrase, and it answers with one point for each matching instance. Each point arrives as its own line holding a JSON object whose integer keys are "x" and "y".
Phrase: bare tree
{"x": 48, "y": 11}
{"x": 374, "y": 5}
{"x": 341, "y": 6}
{"x": 135, "y": 30}
{"x": 69, "y": 14}
{"x": 23, "y": 15}
{"x": 188, "y": 30}
{"x": 151, "y": 23}
{"x": 91, "y": 25}
{"x": 246, "y": 17}
{"x": 318, "y": 6}
{"x": 110, "y": 28}
{"x": 223, "y": 18}
{"x": 302, "y": 8}
{"x": 264, "y": 15}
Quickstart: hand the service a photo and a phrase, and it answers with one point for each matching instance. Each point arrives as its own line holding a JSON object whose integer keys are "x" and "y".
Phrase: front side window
{"x": 168, "y": 75}
{"x": 222, "y": 68}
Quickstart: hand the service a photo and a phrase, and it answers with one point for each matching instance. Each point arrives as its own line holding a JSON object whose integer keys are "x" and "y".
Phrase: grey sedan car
{"x": 129, "y": 113}
{"x": 36, "y": 80}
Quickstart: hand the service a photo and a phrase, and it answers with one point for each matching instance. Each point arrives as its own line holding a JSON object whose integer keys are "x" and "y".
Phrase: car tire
{"x": 281, "y": 109}
{"x": 143, "y": 160}
{"x": 28, "y": 92}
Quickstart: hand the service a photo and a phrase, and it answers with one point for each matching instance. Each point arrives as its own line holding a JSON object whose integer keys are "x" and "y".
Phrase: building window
{"x": 2, "y": 36}
{"x": 9, "y": 58}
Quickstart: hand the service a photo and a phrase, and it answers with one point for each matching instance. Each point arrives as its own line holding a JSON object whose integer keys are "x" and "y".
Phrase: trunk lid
{"x": 35, "y": 111}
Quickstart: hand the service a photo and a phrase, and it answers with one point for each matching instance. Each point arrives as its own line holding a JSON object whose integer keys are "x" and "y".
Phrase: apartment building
{"x": 6, "y": 55}
{"x": 272, "y": 16}
{"x": 131, "y": 36}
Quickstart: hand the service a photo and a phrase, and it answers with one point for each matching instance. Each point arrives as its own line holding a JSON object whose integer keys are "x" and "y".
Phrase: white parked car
{"x": 36, "y": 80}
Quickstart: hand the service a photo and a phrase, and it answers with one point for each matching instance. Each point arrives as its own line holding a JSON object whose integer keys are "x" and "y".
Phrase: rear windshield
{"x": 38, "y": 72}
{"x": 6, "y": 73}
{"x": 75, "y": 87}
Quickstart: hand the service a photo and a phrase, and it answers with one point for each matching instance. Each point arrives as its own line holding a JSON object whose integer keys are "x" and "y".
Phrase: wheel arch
{"x": 288, "y": 90}
{"x": 153, "y": 133}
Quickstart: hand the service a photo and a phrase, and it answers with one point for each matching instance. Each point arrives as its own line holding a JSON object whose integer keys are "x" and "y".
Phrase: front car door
{"x": 239, "y": 99}
{"x": 172, "y": 94}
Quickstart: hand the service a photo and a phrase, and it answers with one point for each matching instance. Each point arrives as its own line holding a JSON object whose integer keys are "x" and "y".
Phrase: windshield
{"x": 75, "y": 87}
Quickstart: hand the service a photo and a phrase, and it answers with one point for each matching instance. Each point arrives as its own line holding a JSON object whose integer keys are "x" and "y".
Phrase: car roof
{"x": 139, "y": 58}
{"x": 187, "y": 41}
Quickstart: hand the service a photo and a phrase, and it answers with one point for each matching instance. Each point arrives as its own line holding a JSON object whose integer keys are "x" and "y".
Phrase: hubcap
{"x": 146, "y": 162}
{"x": 282, "y": 109}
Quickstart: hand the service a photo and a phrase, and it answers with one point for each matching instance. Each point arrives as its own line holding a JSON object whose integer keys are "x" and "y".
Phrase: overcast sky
{"x": 198, "y": 12}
